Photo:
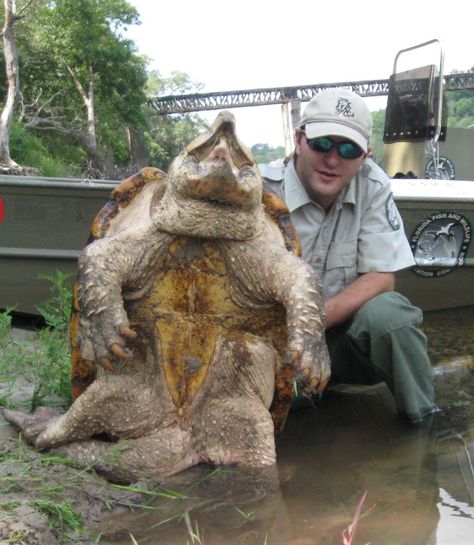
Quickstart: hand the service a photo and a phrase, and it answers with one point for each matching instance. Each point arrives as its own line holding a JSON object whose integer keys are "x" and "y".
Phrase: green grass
{"x": 61, "y": 515}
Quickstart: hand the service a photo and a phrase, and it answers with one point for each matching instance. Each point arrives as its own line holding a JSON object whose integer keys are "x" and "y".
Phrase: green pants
{"x": 382, "y": 342}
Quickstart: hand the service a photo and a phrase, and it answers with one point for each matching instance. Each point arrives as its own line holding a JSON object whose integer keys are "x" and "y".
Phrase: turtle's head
{"x": 217, "y": 168}
{"x": 214, "y": 186}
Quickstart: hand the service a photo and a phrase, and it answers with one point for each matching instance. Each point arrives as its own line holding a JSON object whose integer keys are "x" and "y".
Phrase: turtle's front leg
{"x": 297, "y": 286}
{"x": 109, "y": 266}
{"x": 265, "y": 272}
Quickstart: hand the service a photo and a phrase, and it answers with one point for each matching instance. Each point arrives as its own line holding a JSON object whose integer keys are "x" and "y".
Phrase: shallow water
{"x": 419, "y": 482}
{"x": 420, "y": 485}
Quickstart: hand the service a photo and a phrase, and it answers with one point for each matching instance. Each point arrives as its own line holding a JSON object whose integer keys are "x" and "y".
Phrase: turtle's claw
{"x": 128, "y": 333}
{"x": 106, "y": 363}
{"x": 17, "y": 418}
{"x": 31, "y": 425}
{"x": 118, "y": 351}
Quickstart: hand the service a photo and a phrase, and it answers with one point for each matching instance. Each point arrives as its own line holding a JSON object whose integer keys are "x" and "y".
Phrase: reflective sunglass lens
{"x": 325, "y": 143}
{"x": 348, "y": 150}
{"x": 322, "y": 144}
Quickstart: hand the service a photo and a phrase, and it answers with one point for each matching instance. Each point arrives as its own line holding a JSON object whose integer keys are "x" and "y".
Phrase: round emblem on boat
{"x": 439, "y": 244}
{"x": 446, "y": 170}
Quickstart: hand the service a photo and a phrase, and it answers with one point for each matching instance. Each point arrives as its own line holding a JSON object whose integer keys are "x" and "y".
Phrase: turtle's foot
{"x": 31, "y": 425}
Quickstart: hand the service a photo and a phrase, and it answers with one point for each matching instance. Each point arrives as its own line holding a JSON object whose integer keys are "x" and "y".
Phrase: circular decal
{"x": 446, "y": 170}
{"x": 439, "y": 244}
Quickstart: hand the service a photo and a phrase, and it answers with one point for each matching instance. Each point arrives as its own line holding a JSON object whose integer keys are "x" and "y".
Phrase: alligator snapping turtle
{"x": 194, "y": 321}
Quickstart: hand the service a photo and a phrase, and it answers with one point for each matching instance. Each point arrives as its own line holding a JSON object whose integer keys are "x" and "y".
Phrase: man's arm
{"x": 344, "y": 304}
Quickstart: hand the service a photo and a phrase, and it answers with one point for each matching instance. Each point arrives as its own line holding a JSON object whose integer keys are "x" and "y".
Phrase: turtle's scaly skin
{"x": 193, "y": 320}
{"x": 83, "y": 372}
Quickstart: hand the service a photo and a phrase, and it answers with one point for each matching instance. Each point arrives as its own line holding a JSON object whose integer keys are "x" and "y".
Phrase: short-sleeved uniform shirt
{"x": 362, "y": 232}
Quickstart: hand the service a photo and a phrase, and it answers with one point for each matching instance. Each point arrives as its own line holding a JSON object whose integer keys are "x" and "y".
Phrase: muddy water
{"x": 419, "y": 482}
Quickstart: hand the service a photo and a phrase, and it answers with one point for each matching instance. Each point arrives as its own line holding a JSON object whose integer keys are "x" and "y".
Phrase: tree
{"x": 460, "y": 106}
{"x": 85, "y": 80}
{"x": 11, "y": 16}
{"x": 376, "y": 140}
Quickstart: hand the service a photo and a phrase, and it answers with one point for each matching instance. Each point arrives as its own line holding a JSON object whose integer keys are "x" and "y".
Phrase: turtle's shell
{"x": 190, "y": 304}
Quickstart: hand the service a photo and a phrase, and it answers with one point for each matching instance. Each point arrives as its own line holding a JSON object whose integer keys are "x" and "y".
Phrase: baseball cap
{"x": 338, "y": 112}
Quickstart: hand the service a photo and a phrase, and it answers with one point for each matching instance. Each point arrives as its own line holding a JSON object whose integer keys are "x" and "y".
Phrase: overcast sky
{"x": 248, "y": 44}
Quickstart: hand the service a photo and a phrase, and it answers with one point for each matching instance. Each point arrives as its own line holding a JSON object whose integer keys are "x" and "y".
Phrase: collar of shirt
{"x": 295, "y": 195}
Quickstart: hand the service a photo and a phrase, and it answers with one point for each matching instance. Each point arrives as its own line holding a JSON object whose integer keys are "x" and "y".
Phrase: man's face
{"x": 324, "y": 175}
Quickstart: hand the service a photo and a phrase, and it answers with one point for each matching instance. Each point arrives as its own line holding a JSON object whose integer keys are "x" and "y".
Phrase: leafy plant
{"x": 5, "y": 325}
{"x": 44, "y": 363}
{"x": 56, "y": 310}
{"x": 10, "y": 354}
{"x": 53, "y": 364}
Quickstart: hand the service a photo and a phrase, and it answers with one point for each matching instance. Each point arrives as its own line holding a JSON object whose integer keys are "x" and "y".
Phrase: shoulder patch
{"x": 392, "y": 213}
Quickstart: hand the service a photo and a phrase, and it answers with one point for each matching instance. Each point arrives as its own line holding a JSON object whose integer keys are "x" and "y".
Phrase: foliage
{"x": 29, "y": 149}
{"x": 70, "y": 44}
{"x": 264, "y": 153}
{"x": 178, "y": 83}
{"x": 460, "y": 107}
{"x": 44, "y": 362}
{"x": 7, "y": 354}
{"x": 376, "y": 140}
{"x": 56, "y": 310}
{"x": 87, "y": 37}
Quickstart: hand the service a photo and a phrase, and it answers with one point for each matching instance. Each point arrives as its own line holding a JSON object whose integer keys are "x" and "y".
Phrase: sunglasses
{"x": 346, "y": 150}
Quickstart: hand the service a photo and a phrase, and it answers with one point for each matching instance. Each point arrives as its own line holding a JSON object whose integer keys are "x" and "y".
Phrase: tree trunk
{"x": 13, "y": 83}
{"x": 91, "y": 135}
{"x": 137, "y": 148}
{"x": 88, "y": 100}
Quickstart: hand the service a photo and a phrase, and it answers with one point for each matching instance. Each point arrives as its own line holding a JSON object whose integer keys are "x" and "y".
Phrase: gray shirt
{"x": 361, "y": 232}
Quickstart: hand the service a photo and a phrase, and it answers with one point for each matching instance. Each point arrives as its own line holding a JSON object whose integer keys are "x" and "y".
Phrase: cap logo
{"x": 344, "y": 107}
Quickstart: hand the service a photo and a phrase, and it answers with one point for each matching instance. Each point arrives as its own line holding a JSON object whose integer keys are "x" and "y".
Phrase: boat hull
{"x": 44, "y": 223}
{"x": 438, "y": 216}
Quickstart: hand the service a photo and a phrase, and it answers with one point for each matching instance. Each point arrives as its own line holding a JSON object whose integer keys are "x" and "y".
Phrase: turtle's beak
{"x": 211, "y": 143}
